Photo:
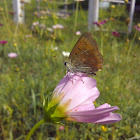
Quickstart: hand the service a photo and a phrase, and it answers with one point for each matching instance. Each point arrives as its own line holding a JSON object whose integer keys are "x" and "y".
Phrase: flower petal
{"x": 94, "y": 112}
{"x": 99, "y": 115}
{"x": 84, "y": 107}
{"x": 103, "y": 106}
{"x": 111, "y": 118}
{"x": 78, "y": 88}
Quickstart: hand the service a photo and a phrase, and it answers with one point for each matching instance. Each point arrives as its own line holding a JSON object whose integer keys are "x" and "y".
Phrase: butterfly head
{"x": 68, "y": 66}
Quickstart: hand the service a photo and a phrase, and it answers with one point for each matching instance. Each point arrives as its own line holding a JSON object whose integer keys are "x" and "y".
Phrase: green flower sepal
{"x": 53, "y": 111}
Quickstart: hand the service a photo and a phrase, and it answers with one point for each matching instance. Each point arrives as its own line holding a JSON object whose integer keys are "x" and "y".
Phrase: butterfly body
{"x": 85, "y": 56}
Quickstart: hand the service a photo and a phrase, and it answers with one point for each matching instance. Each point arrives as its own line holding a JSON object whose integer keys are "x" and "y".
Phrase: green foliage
{"x": 26, "y": 80}
{"x": 50, "y": 108}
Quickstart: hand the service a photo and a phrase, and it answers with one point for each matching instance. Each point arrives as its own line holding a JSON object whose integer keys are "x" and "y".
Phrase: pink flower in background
{"x": 137, "y": 28}
{"x": 61, "y": 127}
{"x": 1, "y": 24}
{"x": 58, "y": 26}
{"x": 12, "y": 55}
{"x": 74, "y": 97}
{"x": 3, "y": 42}
{"x": 100, "y": 23}
{"x": 79, "y": 0}
{"x": 35, "y": 23}
{"x": 78, "y": 33}
{"x": 50, "y": 30}
{"x": 116, "y": 34}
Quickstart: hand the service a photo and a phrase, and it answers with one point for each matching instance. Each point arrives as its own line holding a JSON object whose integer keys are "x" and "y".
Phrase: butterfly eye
{"x": 65, "y": 63}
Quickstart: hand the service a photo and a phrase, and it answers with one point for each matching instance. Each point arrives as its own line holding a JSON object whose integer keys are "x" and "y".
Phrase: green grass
{"x": 27, "y": 79}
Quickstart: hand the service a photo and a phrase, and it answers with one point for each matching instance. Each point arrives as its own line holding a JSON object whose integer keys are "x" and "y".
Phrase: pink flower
{"x": 35, "y": 23}
{"x": 58, "y": 26}
{"x": 116, "y": 34}
{"x": 61, "y": 127}
{"x": 137, "y": 28}
{"x": 3, "y": 42}
{"x": 12, "y": 55}
{"x": 78, "y": 33}
{"x": 79, "y": 0}
{"x": 73, "y": 100}
{"x": 100, "y": 23}
{"x": 1, "y": 24}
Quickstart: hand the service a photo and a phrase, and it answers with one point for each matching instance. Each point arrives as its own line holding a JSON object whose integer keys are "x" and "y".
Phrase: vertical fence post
{"x": 66, "y": 5}
{"x": 38, "y": 5}
{"x": 132, "y": 8}
{"x": 73, "y": 6}
{"x": 93, "y": 12}
{"x": 18, "y": 9}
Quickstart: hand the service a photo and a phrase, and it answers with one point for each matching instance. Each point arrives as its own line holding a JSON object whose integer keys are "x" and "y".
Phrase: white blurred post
{"x": 38, "y": 5}
{"x": 66, "y": 5}
{"x": 93, "y": 12}
{"x": 132, "y": 8}
{"x": 18, "y": 9}
{"x": 73, "y": 6}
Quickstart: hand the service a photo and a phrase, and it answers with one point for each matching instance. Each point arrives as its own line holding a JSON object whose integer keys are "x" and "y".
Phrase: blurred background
{"x": 35, "y": 38}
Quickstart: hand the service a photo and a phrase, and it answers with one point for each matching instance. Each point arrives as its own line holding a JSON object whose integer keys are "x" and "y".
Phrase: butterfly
{"x": 85, "y": 56}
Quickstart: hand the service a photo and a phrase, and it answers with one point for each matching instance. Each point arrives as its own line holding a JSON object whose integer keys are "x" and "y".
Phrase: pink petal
{"x": 78, "y": 88}
{"x": 84, "y": 107}
{"x": 111, "y": 118}
{"x": 94, "y": 112}
{"x": 98, "y": 115}
{"x": 106, "y": 105}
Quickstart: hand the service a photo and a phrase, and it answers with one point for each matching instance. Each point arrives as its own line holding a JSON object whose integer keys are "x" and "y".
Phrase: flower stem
{"x": 6, "y": 9}
{"x": 131, "y": 44}
{"x": 101, "y": 41}
{"x": 34, "y": 128}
